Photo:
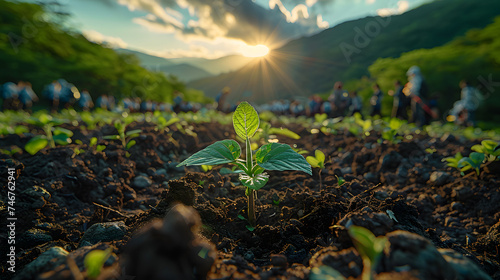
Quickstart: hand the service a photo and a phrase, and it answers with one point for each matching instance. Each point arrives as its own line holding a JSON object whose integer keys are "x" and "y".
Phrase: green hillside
{"x": 312, "y": 64}
{"x": 33, "y": 47}
{"x": 474, "y": 57}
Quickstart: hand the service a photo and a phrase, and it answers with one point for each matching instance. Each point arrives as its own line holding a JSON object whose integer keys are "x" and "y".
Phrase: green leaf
{"x": 250, "y": 228}
{"x": 285, "y": 132}
{"x": 478, "y": 158}
{"x": 245, "y": 120}
{"x": 366, "y": 243}
{"x": 313, "y": 161}
{"x": 100, "y": 148}
{"x": 276, "y": 156}
{"x": 132, "y": 132}
{"x": 130, "y": 144}
{"x": 63, "y": 131}
{"x": 93, "y": 141}
{"x": 36, "y": 144}
{"x": 111, "y": 137}
{"x": 220, "y": 152}
{"x": 94, "y": 261}
{"x": 256, "y": 182}
{"x": 62, "y": 139}
{"x": 320, "y": 156}
{"x": 20, "y": 129}
{"x": 478, "y": 148}
{"x": 489, "y": 145}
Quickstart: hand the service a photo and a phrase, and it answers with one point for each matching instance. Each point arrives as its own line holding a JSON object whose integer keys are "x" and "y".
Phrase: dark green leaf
{"x": 132, "y": 132}
{"x": 245, "y": 120}
{"x": 62, "y": 139}
{"x": 130, "y": 144}
{"x": 63, "y": 131}
{"x": 276, "y": 156}
{"x": 220, "y": 152}
{"x": 36, "y": 144}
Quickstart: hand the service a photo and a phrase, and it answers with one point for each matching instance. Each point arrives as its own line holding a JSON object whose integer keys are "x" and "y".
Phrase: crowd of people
{"x": 411, "y": 101}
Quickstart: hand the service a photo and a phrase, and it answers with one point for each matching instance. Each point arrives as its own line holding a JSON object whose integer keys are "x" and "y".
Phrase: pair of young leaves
{"x": 273, "y": 156}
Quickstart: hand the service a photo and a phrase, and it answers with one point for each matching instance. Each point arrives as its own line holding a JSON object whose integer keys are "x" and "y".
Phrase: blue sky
{"x": 214, "y": 28}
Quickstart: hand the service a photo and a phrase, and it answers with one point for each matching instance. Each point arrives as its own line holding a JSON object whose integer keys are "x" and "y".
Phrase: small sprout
{"x": 340, "y": 181}
{"x": 272, "y": 156}
{"x": 94, "y": 261}
{"x": 206, "y": 168}
{"x": 201, "y": 182}
{"x": 79, "y": 142}
{"x": 126, "y": 138}
{"x": 474, "y": 161}
{"x": 430, "y": 150}
{"x": 10, "y": 152}
{"x": 453, "y": 161}
{"x": 318, "y": 161}
{"x": 53, "y": 134}
{"x": 489, "y": 148}
{"x": 100, "y": 148}
{"x": 276, "y": 202}
{"x": 369, "y": 247}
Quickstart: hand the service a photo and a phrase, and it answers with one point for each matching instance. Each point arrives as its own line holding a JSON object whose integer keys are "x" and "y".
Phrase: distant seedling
{"x": 94, "y": 261}
{"x": 488, "y": 151}
{"x": 53, "y": 134}
{"x": 126, "y": 138}
{"x": 369, "y": 247}
{"x": 272, "y": 156}
{"x": 318, "y": 161}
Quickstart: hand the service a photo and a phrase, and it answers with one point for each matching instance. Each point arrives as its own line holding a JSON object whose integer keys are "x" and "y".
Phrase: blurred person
{"x": 297, "y": 108}
{"x": 470, "y": 99}
{"x": 339, "y": 99}
{"x": 221, "y": 99}
{"x": 416, "y": 89}
{"x": 27, "y": 96}
{"x": 10, "y": 94}
{"x": 356, "y": 104}
{"x": 68, "y": 94}
{"x": 102, "y": 102}
{"x": 52, "y": 93}
{"x": 400, "y": 103}
{"x": 376, "y": 101}
{"x": 314, "y": 105}
{"x": 85, "y": 102}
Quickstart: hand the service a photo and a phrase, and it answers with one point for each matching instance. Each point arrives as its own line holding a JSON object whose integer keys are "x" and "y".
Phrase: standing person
{"x": 27, "y": 96}
{"x": 470, "y": 98}
{"x": 10, "y": 93}
{"x": 102, "y": 102}
{"x": 416, "y": 90}
{"x": 85, "y": 102}
{"x": 53, "y": 92}
{"x": 221, "y": 99}
{"x": 401, "y": 102}
{"x": 339, "y": 99}
{"x": 376, "y": 101}
{"x": 356, "y": 104}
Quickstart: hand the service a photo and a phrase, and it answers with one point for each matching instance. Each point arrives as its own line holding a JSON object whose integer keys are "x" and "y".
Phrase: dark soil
{"x": 301, "y": 218}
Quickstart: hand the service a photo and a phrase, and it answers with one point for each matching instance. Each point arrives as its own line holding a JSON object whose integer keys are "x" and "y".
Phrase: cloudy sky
{"x": 213, "y": 28}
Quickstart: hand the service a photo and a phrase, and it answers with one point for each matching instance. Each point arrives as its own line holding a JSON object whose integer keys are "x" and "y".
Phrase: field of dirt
{"x": 439, "y": 224}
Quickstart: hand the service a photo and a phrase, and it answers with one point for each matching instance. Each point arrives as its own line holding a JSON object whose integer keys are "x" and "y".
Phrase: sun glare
{"x": 254, "y": 51}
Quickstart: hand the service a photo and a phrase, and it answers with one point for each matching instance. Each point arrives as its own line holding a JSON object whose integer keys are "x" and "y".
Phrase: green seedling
{"x": 77, "y": 151}
{"x": 126, "y": 138}
{"x": 340, "y": 181}
{"x": 206, "y": 168}
{"x": 10, "y": 152}
{"x": 430, "y": 151}
{"x": 163, "y": 122}
{"x": 266, "y": 132}
{"x": 53, "y": 134}
{"x": 453, "y": 161}
{"x": 369, "y": 247}
{"x": 318, "y": 161}
{"x": 489, "y": 148}
{"x": 272, "y": 156}
{"x": 474, "y": 161}
{"x": 94, "y": 261}
{"x": 93, "y": 142}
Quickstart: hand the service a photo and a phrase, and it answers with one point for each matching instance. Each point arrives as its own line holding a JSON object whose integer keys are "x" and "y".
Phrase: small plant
{"x": 53, "y": 134}
{"x": 340, "y": 181}
{"x": 267, "y": 132}
{"x": 126, "y": 138}
{"x": 369, "y": 247}
{"x": 474, "y": 161}
{"x": 10, "y": 152}
{"x": 318, "y": 161}
{"x": 453, "y": 161}
{"x": 94, "y": 261}
{"x": 93, "y": 142}
{"x": 272, "y": 156}
{"x": 206, "y": 168}
{"x": 489, "y": 148}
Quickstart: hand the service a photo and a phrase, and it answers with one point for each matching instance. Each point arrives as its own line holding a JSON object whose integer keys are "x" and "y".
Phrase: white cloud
{"x": 402, "y": 7}
{"x": 99, "y": 38}
{"x": 369, "y": 2}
